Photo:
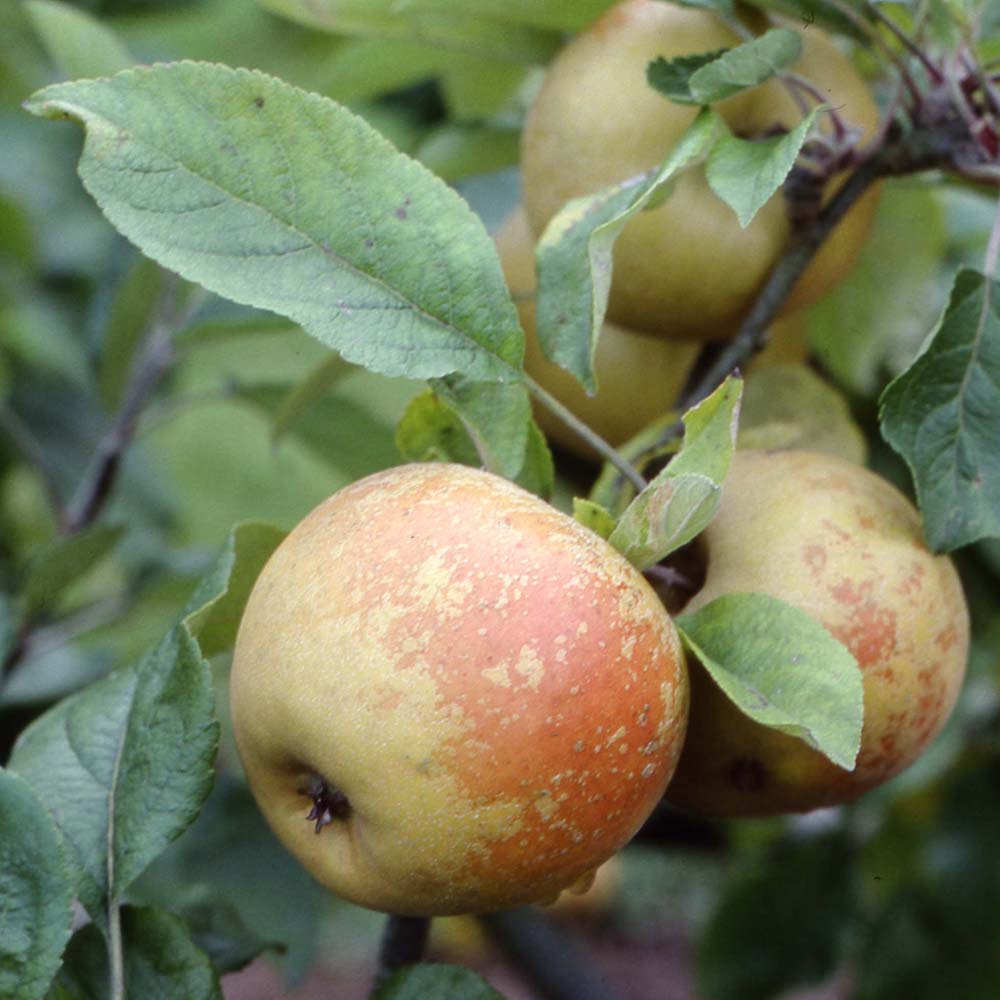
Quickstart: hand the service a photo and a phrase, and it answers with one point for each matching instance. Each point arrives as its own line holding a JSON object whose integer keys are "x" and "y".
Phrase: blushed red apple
{"x": 450, "y": 697}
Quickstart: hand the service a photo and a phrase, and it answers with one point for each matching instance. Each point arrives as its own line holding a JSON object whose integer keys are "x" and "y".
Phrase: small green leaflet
{"x": 781, "y": 668}
{"x": 745, "y": 174}
{"x": 942, "y": 415}
{"x": 708, "y": 77}
{"x": 681, "y": 501}
{"x": 745, "y": 66}
{"x": 573, "y": 257}
{"x": 77, "y": 43}
{"x": 592, "y": 515}
{"x": 672, "y": 77}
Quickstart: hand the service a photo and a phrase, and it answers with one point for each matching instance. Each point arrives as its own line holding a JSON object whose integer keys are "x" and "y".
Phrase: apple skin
{"x": 498, "y": 693}
{"x": 686, "y": 268}
{"x": 846, "y": 547}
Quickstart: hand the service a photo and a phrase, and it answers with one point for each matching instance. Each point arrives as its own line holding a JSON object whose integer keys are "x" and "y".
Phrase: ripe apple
{"x": 845, "y": 546}
{"x": 450, "y": 697}
{"x": 685, "y": 268}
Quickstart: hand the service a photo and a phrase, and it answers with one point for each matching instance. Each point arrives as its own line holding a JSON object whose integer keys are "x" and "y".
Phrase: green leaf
{"x": 64, "y": 561}
{"x": 780, "y": 922}
{"x": 433, "y": 430}
{"x": 746, "y": 65}
{"x": 782, "y": 669}
{"x": 789, "y": 406}
{"x": 746, "y": 174}
{"x": 77, "y": 43}
{"x": 341, "y": 432}
{"x": 672, "y": 77}
{"x": 161, "y": 961}
{"x": 942, "y": 415}
{"x": 453, "y": 26}
{"x": 286, "y": 201}
{"x": 726, "y": 7}
{"x": 497, "y": 416}
{"x": 429, "y": 981}
{"x": 592, "y": 515}
{"x": 310, "y": 390}
{"x": 35, "y": 891}
{"x": 456, "y": 151}
{"x": 681, "y": 501}
{"x": 216, "y": 607}
{"x": 822, "y": 12}
{"x": 430, "y": 431}
{"x": 879, "y": 311}
{"x": 574, "y": 255}
{"x": 131, "y": 315}
{"x": 124, "y": 765}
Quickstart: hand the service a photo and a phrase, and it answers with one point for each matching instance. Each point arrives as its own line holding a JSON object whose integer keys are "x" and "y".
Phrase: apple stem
{"x": 404, "y": 941}
{"x": 595, "y": 441}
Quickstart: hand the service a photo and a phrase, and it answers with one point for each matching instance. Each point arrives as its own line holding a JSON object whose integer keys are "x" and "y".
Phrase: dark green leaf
{"x": 161, "y": 961}
{"x": 284, "y": 200}
{"x": 436, "y": 982}
{"x": 672, "y": 77}
{"x": 36, "y": 894}
{"x": 782, "y": 922}
{"x": 124, "y": 766}
{"x": 130, "y": 319}
{"x": 942, "y": 416}
{"x": 781, "y": 668}
{"x": 745, "y": 174}
{"x": 66, "y": 560}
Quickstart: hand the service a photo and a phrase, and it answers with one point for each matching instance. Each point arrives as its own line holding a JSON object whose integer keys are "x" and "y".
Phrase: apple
{"x": 450, "y": 697}
{"x": 685, "y": 268}
{"x": 843, "y": 545}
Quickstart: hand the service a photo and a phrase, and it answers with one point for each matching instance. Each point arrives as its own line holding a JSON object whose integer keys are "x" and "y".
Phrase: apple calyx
{"x": 329, "y": 803}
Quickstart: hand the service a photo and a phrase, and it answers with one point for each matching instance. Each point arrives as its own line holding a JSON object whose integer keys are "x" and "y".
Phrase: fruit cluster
{"x": 450, "y": 697}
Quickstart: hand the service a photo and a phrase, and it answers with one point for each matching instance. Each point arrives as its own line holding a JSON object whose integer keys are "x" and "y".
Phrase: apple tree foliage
{"x": 260, "y": 267}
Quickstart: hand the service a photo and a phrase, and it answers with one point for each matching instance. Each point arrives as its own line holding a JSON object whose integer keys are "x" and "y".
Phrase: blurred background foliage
{"x": 895, "y": 896}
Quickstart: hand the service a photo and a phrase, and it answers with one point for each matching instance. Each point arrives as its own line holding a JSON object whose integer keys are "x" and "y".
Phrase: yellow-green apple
{"x": 843, "y": 545}
{"x": 685, "y": 268}
{"x": 450, "y": 697}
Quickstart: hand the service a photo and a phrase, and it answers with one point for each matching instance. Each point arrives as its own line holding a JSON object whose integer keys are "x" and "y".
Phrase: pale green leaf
{"x": 746, "y": 65}
{"x": 781, "y": 668}
{"x": 746, "y": 175}
{"x": 574, "y": 255}
{"x": 286, "y": 201}
{"x": 681, "y": 501}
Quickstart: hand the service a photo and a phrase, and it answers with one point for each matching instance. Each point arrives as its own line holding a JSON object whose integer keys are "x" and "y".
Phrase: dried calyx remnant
{"x": 328, "y": 803}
